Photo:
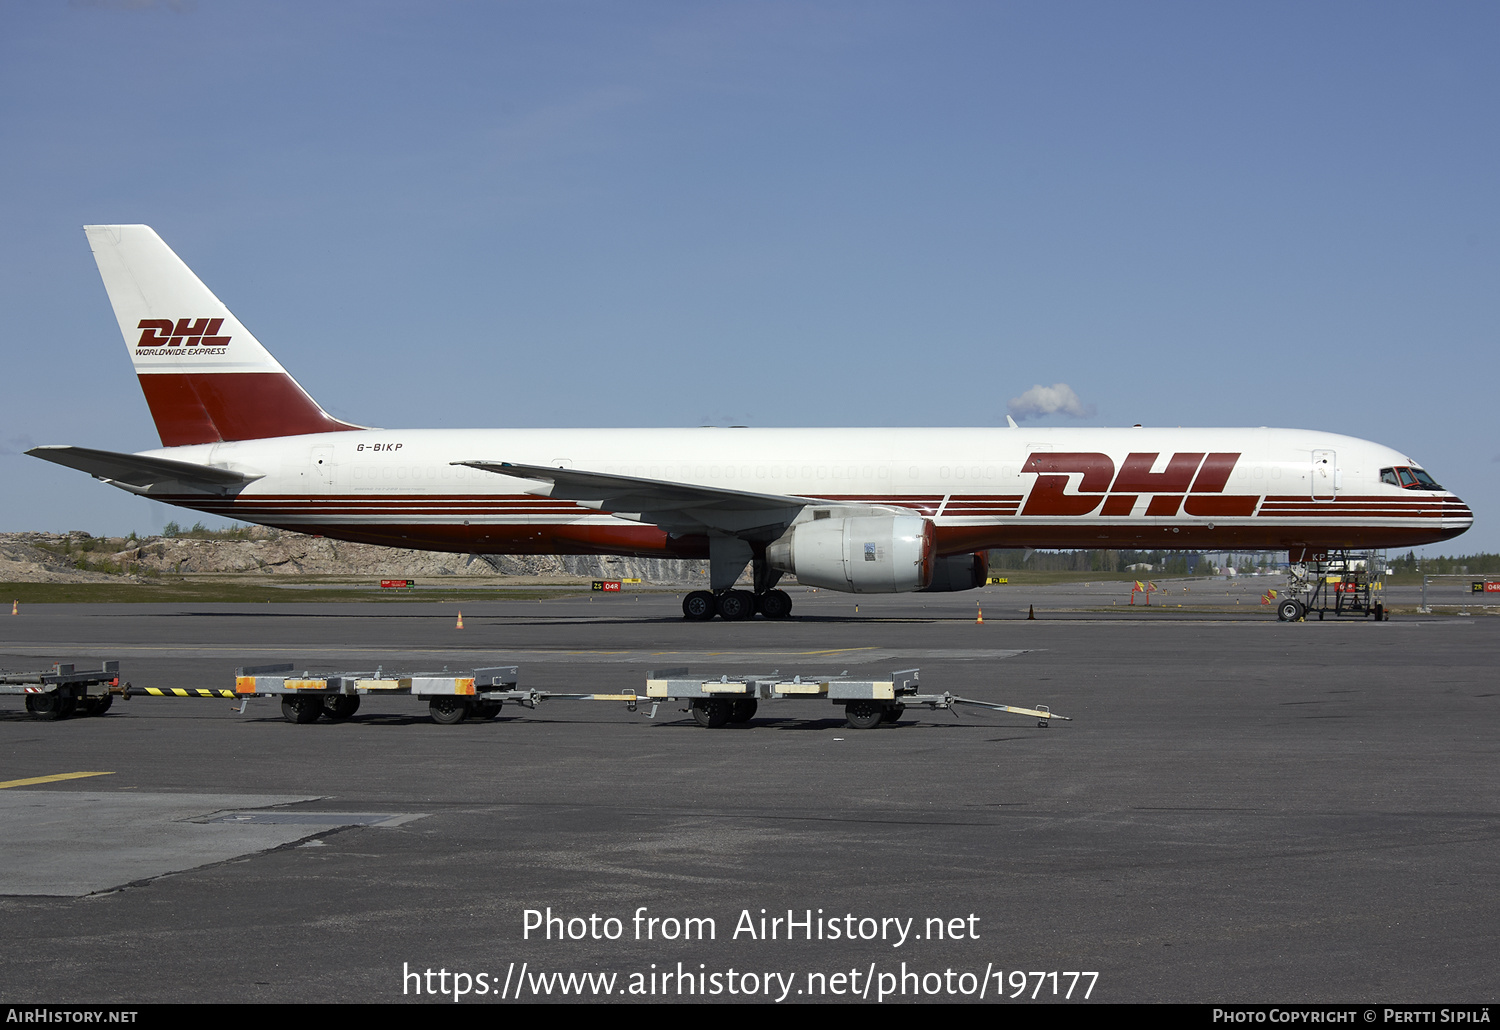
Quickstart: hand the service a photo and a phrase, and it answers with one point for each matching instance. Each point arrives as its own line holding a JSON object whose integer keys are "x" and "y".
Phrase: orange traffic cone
{"x": 460, "y": 620}
{"x": 1031, "y": 611}
{"x": 13, "y": 609}
{"x": 980, "y": 621}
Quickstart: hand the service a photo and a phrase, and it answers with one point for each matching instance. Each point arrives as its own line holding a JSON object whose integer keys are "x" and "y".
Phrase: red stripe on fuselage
{"x": 576, "y": 537}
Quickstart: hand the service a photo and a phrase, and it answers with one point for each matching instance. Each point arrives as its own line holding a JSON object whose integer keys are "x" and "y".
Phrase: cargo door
{"x": 321, "y": 466}
{"x": 1325, "y": 476}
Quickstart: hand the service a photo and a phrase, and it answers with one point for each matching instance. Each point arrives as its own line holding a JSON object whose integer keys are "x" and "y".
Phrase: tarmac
{"x": 1240, "y": 810}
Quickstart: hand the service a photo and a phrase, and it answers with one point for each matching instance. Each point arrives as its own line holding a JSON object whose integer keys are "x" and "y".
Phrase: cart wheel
{"x": 892, "y": 713}
{"x": 743, "y": 710}
{"x": 50, "y": 707}
{"x": 96, "y": 705}
{"x": 301, "y": 709}
{"x": 864, "y": 715}
{"x": 339, "y": 707}
{"x": 448, "y": 710}
{"x": 711, "y": 712}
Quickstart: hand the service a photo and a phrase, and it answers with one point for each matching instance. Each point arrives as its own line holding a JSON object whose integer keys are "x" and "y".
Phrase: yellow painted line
{"x": 752, "y": 654}
{"x": 51, "y": 779}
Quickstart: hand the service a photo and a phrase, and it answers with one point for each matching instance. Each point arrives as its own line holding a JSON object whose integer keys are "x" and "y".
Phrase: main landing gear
{"x": 727, "y": 558}
{"x": 733, "y": 605}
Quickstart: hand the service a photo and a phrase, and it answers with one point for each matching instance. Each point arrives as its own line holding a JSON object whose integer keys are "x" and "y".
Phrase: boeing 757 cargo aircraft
{"x": 859, "y": 510}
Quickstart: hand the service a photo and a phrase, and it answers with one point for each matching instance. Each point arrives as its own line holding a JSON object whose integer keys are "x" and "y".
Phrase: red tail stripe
{"x": 209, "y": 407}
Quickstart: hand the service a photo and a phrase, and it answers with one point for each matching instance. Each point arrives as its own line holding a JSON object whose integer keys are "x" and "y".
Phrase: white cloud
{"x": 1058, "y": 398}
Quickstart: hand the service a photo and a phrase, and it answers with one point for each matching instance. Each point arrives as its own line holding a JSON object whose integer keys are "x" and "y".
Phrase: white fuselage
{"x": 982, "y": 488}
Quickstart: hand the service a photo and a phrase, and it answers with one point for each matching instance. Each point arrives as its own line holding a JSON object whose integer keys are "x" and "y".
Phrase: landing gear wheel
{"x": 486, "y": 709}
{"x": 50, "y": 707}
{"x": 743, "y": 710}
{"x": 864, "y": 715}
{"x": 893, "y": 713}
{"x": 775, "y": 604}
{"x": 301, "y": 709}
{"x": 735, "y": 605}
{"x": 339, "y": 707}
{"x": 1380, "y": 615}
{"x": 711, "y": 712}
{"x": 448, "y": 710}
{"x": 1289, "y": 610}
{"x": 698, "y": 606}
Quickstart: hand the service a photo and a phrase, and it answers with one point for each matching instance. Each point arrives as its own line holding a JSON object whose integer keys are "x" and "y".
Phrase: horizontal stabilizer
{"x": 139, "y": 473}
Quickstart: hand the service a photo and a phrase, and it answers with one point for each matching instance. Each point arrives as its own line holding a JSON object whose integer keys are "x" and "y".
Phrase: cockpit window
{"x": 1408, "y": 478}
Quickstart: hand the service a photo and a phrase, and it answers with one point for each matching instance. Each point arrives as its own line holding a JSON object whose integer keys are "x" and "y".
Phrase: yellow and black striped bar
{"x": 181, "y": 692}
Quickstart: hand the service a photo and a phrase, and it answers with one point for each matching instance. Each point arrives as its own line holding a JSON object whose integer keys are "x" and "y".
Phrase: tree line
{"x": 1183, "y": 563}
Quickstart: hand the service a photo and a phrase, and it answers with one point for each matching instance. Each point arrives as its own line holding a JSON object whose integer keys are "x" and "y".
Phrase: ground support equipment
{"x": 308, "y": 696}
{"x": 479, "y": 694}
{"x": 64, "y": 691}
{"x": 451, "y": 697}
{"x": 867, "y": 703}
{"x": 1346, "y": 583}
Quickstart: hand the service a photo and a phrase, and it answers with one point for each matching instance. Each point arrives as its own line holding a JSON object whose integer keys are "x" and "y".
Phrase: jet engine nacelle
{"x": 866, "y": 554}
{"x": 960, "y": 572}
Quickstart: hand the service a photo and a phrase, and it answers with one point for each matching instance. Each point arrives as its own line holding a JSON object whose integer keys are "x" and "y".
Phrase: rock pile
{"x": 80, "y": 558}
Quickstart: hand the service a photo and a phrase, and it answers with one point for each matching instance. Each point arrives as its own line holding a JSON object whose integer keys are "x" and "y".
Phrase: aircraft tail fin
{"x": 206, "y": 378}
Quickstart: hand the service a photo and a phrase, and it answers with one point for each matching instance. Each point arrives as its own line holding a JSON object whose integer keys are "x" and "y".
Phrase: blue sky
{"x": 808, "y": 213}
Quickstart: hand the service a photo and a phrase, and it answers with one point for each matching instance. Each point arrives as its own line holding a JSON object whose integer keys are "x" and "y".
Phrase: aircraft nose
{"x": 1455, "y": 515}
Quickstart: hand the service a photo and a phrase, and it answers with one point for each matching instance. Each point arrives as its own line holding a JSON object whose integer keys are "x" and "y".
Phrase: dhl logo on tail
{"x": 163, "y": 332}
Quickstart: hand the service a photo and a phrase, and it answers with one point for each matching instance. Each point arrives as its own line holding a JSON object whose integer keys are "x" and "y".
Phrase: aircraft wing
{"x": 679, "y": 507}
{"x": 138, "y": 473}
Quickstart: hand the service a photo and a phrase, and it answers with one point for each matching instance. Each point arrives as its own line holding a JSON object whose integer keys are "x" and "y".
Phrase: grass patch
{"x": 171, "y": 590}
{"x": 1029, "y": 577}
{"x": 252, "y": 588}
